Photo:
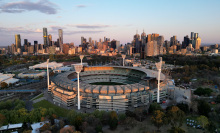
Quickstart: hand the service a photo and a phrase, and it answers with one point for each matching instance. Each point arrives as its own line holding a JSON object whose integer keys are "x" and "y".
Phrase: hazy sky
{"x": 115, "y": 19}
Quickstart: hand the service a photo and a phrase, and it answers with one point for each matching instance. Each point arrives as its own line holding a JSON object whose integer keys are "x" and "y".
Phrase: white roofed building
{"x": 51, "y": 65}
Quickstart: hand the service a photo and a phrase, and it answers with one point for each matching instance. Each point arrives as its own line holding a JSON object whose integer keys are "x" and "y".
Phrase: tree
{"x": 203, "y": 108}
{"x": 113, "y": 120}
{"x": 2, "y": 119}
{"x": 158, "y": 119}
{"x": 154, "y": 106}
{"x": 203, "y": 120}
{"x": 218, "y": 99}
{"x": 183, "y": 107}
{"x": 175, "y": 117}
{"x": 176, "y": 130}
{"x": 45, "y": 127}
{"x": 194, "y": 106}
{"x": 4, "y": 85}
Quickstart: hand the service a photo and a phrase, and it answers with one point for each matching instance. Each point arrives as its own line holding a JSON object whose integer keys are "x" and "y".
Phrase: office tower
{"x": 149, "y": 48}
{"x": 45, "y": 37}
{"x": 185, "y": 41}
{"x": 17, "y": 41}
{"x": 154, "y": 37}
{"x": 31, "y": 49}
{"x": 113, "y": 44}
{"x": 82, "y": 40}
{"x": 36, "y": 46}
{"x": 60, "y": 31}
{"x": 105, "y": 39}
{"x": 173, "y": 40}
{"x": 25, "y": 45}
{"x": 160, "y": 42}
{"x": 192, "y": 35}
{"x": 198, "y": 43}
{"x": 65, "y": 48}
{"x": 117, "y": 44}
{"x": 149, "y": 38}
{"x": 143, "y": 43}
{"x": 136, "y": 43}
{"x": 50, "y": 39}
{"x": 155, "y": 53}
{"x": 90, "y": 40}
{"x": 196, "y": 35}
{"x": 13, "y": 48}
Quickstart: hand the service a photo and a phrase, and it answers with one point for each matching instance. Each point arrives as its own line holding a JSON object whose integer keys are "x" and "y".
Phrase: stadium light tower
{"x": 48, "y": 80}
{"x": 158, "y": 65}
{"x": 78, "y": 69}
{"x": 123, "y": 56}
{"x": 81, "y": 58}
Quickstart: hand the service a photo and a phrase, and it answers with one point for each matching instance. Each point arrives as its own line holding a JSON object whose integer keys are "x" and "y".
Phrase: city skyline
{"x": 116, "y": 19}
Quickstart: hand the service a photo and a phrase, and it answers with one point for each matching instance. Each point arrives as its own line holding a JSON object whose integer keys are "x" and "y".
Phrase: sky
{"x": 114, "y": 19}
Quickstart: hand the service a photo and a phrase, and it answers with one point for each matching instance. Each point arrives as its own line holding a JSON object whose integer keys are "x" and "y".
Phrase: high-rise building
{"x": 196, "y": 35}
{"x": 173, "y": 41}
{"x": 45, "y": 37}
{"x": 50, "y": 39}
{"x": 149, "y": 48}
{"x": 36, "y": 46}
{"x": 160, "y": 42}
{"x": 198, "y": 43}
{"x": 65, "y": 48}
{"x": 192, "y": 35}
{"x": 17, "y": 41}
{"x": 31, "y": 49}
{"x": 185, "y": 41}
{"x": 25, "y": 45}
{"x": 60, "y": 31}
{"x": 113, "y": 44}
{"x": 143, "y": 43}
{"x": 154, "y": 36}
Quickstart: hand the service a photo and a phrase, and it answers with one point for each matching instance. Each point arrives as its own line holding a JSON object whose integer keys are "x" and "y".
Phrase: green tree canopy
{"x": 203, "y": 121}
{"x": 158, "y": 119}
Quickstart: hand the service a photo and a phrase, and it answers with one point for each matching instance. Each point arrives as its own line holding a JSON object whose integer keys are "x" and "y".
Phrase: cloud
{"x": 55, "y": 28}
{"x": 43, "y": 6}
{"x": 82, "y": 32}
{"x": 38, "y": 30}
{"x": 81, "y": 6}
{"x": 18, "y": 30}
{"x": 98, "y": 26}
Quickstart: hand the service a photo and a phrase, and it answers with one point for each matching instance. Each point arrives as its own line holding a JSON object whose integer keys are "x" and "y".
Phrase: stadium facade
{"x": 128, "y": 87}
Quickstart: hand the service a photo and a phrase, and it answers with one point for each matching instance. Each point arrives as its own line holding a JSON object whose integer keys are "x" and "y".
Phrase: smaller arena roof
{"x": 51, "y": 65}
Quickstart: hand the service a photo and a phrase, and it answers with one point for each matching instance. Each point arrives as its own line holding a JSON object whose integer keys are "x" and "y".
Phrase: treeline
{"x": 13, "y": 111}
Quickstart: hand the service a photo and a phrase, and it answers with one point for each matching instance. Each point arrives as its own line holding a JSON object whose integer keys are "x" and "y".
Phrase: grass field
{"x": 45, "y": 104}
{"x": 106, "y": 83}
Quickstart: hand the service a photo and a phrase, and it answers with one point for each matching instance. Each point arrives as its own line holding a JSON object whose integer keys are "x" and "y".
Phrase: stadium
{"x": 108, "y": 87}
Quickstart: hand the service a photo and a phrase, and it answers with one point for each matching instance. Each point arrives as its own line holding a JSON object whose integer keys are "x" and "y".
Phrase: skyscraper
{"x": 50, "y": 39}
{"x": 149, "y": 48}
{"x": 143, "y": 43}
{"x": 36, "y": 46}
{"x": 45, "y": 37}
{"x": 60, "y": 31}
{"x": 192, "y": 35}
{"x": 17, "y": 41}
{"x": 25, "y": 45}
{"x": 198, "y": 43}
{"x": 160, "y": 42}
